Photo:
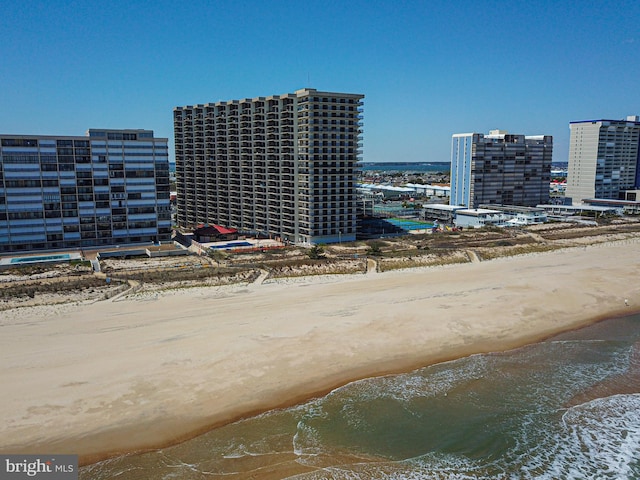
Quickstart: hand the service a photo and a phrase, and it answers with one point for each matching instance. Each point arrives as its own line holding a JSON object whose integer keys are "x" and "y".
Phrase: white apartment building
{"x": 282, "y": 165}
{"x": 110, "y": 187}
{"x": 603, "y": 159}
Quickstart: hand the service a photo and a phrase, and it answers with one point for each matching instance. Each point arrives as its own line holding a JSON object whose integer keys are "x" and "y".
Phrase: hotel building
{"x": 106, "y": 188}
{"x": 282, "y": 165}
{"x": 500, "y": 168}
{"x": 603, "y": 159}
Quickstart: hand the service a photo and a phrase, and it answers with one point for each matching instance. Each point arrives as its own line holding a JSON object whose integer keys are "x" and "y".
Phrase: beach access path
{"x": 144, "y": 372}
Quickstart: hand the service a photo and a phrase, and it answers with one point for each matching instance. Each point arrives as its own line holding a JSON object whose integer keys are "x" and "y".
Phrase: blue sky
{"x": 428, "y": 69}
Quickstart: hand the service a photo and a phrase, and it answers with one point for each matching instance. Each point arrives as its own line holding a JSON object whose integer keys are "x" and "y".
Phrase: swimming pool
{"x": 408, "y": 224}
{"x": 231, "y": 245}
{"x": 42, "y": 258}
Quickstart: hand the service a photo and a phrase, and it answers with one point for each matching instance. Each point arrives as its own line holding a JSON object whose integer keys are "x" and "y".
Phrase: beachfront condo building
{"x": 603, "y": 159}
{"x": 110, "y": 187}
{"x": 282, "y": 165}
{"x": 500, "y": 168}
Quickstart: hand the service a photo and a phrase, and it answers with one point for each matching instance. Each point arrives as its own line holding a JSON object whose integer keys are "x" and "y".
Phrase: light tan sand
{"x": 123, "y": 376}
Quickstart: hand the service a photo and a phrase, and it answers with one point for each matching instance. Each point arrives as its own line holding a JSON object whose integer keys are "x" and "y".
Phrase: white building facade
{"x": 109, "y": 187}
{"x": 603, "y": 159}
{"x": 478, "y": 218}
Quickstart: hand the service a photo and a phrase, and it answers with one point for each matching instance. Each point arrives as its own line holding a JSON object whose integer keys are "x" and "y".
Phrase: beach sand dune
{"x": 150, "y": 370}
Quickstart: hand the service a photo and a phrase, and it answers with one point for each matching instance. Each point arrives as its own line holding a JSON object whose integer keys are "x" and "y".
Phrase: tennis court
{"x": 409, "y": 224}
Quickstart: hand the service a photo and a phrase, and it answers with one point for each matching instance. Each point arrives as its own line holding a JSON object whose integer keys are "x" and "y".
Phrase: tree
{"x": 374, "y": 249}
{"x": 316, "y": 252}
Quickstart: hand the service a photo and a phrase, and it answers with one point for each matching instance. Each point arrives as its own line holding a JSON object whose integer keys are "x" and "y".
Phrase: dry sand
{"x": 143, "y": 372}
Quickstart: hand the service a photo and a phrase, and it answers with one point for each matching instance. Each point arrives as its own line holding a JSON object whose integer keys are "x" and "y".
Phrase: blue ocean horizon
{"x": 443, "y": 167}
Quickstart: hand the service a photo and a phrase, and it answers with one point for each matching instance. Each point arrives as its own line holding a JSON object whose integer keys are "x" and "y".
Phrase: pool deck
{"x": 39, "y": 258}
{"x": 249, "y": 244}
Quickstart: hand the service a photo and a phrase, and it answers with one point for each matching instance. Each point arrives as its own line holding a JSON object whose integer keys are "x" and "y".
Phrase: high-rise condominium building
{"x": 603, "y": 159}
{"x": 109, "y": 187}
{"x": 282, "y": 165}
{"x": 500, "y": 168}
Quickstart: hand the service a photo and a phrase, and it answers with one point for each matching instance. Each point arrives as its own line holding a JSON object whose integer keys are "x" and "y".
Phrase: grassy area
{"x": 511, "y": 251}
{"x": 385, "y": 265}
{"x": 305, "y": 267}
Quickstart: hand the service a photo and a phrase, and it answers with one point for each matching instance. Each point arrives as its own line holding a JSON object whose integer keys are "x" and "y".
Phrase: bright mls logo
{"x": 49, "y": 467}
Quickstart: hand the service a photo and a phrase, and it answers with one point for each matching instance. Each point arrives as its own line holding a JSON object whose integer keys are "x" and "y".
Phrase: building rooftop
{"x": 630, "y": 118}
{"x": 429, "y": 186}
{"x": 477, "y": 212}
{"x": 513, "y": 208}
{"x": 444, "y": 208}
{"x": 374, "y": 186}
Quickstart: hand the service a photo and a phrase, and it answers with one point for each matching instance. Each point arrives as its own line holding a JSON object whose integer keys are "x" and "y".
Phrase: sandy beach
{"x": 153, "y": 369}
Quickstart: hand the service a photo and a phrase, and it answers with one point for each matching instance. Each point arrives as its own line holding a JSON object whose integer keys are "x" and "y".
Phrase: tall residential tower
{"x": 283, "y": 165}
{"x": 500, "y": 168}
{"x": 603, "y": 159}
{"x": 109, "y": 187}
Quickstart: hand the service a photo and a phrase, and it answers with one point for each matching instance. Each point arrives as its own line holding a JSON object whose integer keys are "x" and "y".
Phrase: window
{"x": 19, "y": 142}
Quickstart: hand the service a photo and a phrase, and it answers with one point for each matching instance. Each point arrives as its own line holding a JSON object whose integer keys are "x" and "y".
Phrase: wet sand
{"x": 114, "y": 377}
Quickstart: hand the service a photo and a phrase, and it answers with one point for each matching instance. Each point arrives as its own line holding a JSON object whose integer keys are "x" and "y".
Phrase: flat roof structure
{"x": 389, "y": 188}
{"x": 429, "y": 186}
{"x": 513, "y": 208}
{"x": 444, "y": 208}
{"x": 573, "y": 209}
{"x": 608, "y": 202}
{"x": 477, "y": 212}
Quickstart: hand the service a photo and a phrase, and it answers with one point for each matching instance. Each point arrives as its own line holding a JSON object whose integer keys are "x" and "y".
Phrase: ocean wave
{"x": 596, "y": 440}
{"x": 537, "y": 437}
{"x": 603, "y": 438}
{"x": 521, "y": 414}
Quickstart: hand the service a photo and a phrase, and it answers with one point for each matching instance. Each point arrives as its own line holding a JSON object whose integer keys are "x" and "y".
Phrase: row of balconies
{"x": 223, "y": 130}
{"x": 247, "y": 140}
{"x": 231, "y": 111}
{"x": 283, "y": 164}
{"x": 325, "y": 194}
{"x": 226, "y": 110}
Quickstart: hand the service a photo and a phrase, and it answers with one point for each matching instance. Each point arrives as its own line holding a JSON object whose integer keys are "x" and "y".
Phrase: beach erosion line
{"x": 110, "y": 378}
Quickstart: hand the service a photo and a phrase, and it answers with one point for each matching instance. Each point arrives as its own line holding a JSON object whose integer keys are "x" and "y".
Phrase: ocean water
{"x": 392, "y": 167}
{"x": 565, "y": 408}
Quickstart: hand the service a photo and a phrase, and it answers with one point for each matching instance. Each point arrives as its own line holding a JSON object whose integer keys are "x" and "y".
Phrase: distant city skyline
{"x": 427, "y": 69}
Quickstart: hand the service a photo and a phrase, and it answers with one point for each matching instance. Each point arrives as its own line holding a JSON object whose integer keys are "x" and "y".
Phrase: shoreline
{"x": 350, "y": 376}
{"x": 120, "y": 377}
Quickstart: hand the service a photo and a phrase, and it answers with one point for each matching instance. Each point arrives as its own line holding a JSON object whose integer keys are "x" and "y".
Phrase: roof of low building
{"x": 214, "y": 229}
{"x": 477, "y": 212}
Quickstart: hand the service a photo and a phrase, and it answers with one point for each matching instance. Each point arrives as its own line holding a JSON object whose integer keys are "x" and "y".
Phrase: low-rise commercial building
{"x": 516, "y": 215}
{"x": 479, "y": 217}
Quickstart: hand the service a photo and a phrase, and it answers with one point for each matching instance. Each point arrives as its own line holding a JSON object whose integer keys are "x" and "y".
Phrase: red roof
{"x": 212, "y": 229}
{"x": 223, "y": 230}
